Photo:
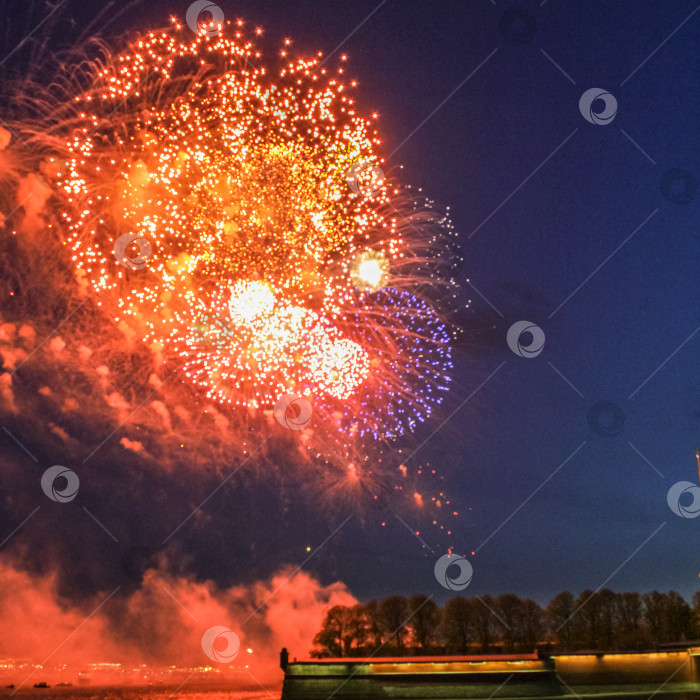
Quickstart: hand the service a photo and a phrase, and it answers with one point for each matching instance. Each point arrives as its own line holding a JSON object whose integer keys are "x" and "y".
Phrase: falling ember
{"x": 418, "y": 499}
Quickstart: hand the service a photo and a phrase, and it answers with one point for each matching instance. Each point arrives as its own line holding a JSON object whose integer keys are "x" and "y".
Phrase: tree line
{"x": 602, "y": 620}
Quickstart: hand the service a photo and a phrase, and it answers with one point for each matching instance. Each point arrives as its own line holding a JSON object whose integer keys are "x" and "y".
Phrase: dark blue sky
{"x": 527, "y": 256}
{"x": 563, "y": 223}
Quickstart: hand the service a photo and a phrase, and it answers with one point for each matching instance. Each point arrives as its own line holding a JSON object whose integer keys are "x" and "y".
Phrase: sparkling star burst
{"x": 269, "y": 271}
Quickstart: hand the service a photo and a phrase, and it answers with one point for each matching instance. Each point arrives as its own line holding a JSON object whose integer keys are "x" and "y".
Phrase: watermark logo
{"x": 678, "y": 186}
{"x": 60, "y": 495}
{"x": 459, "y": 582}
{"x": 293, "y": 412}
{"x": 216, "y": 636}
{"x": 517, "y": 24}
{"x": 515, "y": 333}
{"x": 365, "y": 179}
{"x": 676, "y": 492}
{"x": 206, "y": 27}
{"x": 585, "y": 105}
{"x": 137, "y": 262}
{"x": 606, "y": 418}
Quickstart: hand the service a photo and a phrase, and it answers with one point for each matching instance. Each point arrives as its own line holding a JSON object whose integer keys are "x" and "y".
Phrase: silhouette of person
{"x": 284, "y": 658}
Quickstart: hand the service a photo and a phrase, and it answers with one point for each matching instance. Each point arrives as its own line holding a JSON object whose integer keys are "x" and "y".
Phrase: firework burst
{"x": 231, "y": 211}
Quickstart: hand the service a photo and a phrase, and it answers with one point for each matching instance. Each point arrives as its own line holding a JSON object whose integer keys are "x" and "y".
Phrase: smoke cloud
{"x": 162, "y": 622}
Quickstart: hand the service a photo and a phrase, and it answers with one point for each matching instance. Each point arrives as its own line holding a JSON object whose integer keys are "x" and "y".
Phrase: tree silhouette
{"x": 485, "y": 621}
{"x": 374, "y": 625}
{"x": 595, "y": 620}
{"x": 393, "y": 614}
{"x": 458, "y": 624}
{"x": 533, "y": 625}
{"x": 334, "y": 630}
{"x": 425, "y": 621}
{"x": 655, "y": 616}
{"x": 510, "y": 620}
{"x": 357, "y": 629}
{"x": 559, "y": 614}
{"x": 631, "y": 633}
{"x": 679, "y": 618}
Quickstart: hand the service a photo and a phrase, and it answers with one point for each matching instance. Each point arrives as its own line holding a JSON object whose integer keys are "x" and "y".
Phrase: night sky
{"x": 573, "y": 226}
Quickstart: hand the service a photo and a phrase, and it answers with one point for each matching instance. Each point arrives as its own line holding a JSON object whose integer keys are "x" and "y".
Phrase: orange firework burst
{"x": 262, "y": 348}
{"x": 236, "y": 217}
